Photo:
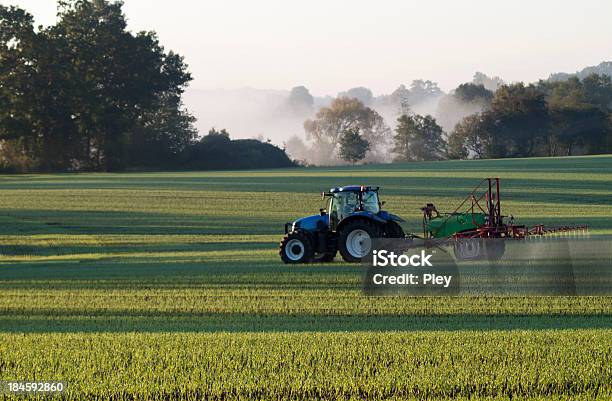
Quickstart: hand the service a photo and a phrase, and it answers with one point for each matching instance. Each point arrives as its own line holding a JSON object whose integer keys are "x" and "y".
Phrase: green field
{"x": 169, "y": 286}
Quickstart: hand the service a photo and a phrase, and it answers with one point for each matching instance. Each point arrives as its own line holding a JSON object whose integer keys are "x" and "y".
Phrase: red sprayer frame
{"x": 494, "y": 226}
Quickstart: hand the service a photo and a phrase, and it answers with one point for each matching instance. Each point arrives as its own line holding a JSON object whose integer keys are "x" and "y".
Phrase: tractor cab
{"x": 346, "y": 201}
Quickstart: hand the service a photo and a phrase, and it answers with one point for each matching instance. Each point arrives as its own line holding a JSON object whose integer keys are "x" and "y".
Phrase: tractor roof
{"x": 352, "y": 188}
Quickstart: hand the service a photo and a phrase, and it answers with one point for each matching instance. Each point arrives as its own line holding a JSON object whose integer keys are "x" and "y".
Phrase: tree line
{"x": 549, "y": 118}
{"x": 87, "y": 94}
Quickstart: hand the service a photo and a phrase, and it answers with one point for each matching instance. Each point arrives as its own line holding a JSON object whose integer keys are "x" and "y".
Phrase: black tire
{"x": 397, "y": 237}
{"x": 469, "y": 249}
{"x": 296, "y": 248}
{"x": 479, "y": 249}
{"x": 372, "y": 229}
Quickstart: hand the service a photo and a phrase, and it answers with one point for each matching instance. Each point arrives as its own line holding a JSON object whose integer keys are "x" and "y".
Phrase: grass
{"x": 169, "y": 286}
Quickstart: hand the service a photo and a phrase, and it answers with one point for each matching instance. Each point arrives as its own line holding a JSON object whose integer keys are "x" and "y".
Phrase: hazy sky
{"x": 330, "y": 45}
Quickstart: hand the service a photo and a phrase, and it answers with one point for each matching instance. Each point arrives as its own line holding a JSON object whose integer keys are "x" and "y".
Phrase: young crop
{"x": 284, "y": 366}
{"x": 168, "y": 286}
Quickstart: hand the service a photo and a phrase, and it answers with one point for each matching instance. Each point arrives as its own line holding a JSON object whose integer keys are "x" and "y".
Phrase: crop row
{"x": 437, "y": 365}
{"x": 268, "y": 300}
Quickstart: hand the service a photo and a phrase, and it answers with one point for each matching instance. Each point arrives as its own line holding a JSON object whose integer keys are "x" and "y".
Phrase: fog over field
{"x": 262, "y": 113}
{"x": 278, "y": 115}
{"x": 247, "y": 112}
{"x": 269, "y": 114}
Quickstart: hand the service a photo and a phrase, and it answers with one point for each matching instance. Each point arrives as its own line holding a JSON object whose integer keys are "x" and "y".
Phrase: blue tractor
{"x": 353, "y": 217}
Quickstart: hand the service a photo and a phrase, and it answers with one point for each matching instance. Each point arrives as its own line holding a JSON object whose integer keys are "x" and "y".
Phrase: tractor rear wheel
{"x": 355, "y": 241}
{"x": 394, "y": 230}
{"x": 296, "y": 248}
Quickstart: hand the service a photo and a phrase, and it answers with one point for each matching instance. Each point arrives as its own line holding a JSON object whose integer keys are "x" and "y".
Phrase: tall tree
{"x": 346, "y": 114}
{"x": 579, "y": 112}
{"x": 521, "y": 119}
{"x": 77, "y": 94}
{"x": 34, "y": 91}
{"x": 423, "y": 90}
{"x": 162, "y": 135}
{"x": 598, "y": 91}
{"x": 472, "y": 138}
{"x": 466, "y": 99}
{"x": 353, "y": 147}
{"x": 473, "y": 93}
{"x": 120, "y": 75}
{"x": 300, "y": 100}
{"x": 586, "y": 128}
{"x": 364, "y": 95}
{"x": 418, "y": 138}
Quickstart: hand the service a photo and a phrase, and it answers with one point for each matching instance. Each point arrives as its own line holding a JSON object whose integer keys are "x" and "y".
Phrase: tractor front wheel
{"x": 296, "y": 248}
{"x": 355, "y": 241}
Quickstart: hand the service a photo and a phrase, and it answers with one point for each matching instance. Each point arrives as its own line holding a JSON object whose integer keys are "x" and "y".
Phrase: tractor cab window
{"x": 342, "y": 205}
{"x": 370, "y": 202}
{"x": 349, "y": 204}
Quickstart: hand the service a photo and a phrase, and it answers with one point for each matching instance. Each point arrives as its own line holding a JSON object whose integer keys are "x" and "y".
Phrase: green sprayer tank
{"x": 447, "y": 225}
